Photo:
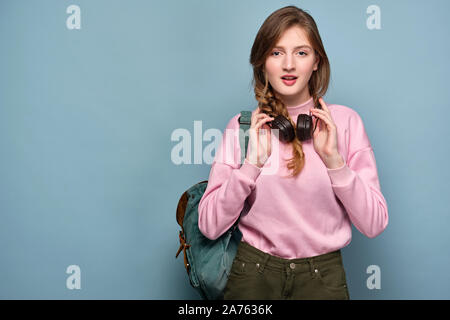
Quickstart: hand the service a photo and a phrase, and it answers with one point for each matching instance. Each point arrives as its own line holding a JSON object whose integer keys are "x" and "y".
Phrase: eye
{"x": 276, "y": 53}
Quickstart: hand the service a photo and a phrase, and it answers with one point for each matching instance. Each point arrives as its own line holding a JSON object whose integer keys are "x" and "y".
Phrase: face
{"x": 292, "y": 55}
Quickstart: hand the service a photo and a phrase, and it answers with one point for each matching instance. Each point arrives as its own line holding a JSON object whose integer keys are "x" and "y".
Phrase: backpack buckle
{"x": 183, "y": 246}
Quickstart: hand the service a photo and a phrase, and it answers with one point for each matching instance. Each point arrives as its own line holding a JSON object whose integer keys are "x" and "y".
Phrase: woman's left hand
{"x": 325, "y": 137}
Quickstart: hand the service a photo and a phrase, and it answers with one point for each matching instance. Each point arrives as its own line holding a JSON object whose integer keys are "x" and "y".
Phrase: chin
{"x": 290, "y": 91}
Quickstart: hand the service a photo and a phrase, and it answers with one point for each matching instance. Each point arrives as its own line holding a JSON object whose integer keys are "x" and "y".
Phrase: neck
{"x": 293, "y": 101}
{"x": 303, "y": 107}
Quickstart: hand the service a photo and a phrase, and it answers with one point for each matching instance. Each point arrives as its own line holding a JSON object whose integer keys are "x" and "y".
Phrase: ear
{"x": 316, "y": 64}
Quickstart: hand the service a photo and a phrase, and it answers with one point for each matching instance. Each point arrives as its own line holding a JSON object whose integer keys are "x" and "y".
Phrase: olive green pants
{"x": 258, "y": 275}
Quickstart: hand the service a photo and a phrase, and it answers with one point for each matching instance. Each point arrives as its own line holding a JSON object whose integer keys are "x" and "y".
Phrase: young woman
{"x": 298, "y": 203}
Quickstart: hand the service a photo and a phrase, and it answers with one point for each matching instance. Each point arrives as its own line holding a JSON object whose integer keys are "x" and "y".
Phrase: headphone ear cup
{"x": 286, "y": 130}
{"x": 304, "y": 126}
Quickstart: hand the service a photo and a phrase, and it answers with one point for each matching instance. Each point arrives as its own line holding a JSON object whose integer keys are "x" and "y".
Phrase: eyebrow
{"x": 297, "y": 47}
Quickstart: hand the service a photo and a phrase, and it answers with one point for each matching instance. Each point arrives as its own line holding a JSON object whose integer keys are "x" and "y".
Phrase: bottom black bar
{"x": 199, "y": 309}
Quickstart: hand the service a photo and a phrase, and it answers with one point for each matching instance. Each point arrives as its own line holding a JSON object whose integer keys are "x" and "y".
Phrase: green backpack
{"x": 208, "y": 262}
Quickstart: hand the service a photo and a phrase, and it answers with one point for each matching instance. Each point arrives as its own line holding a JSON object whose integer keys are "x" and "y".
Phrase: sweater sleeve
{"x": 228, "y": 187}
{"x": 356, "y": 183}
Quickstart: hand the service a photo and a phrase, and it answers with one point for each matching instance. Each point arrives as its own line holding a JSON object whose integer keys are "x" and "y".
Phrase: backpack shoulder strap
{"x": 244, "y": 125}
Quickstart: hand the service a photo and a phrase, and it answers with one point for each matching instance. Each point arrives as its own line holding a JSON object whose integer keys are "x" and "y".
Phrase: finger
{"x": 329, "y": 123}
{"x": 317, "y": 123}
{"x": 268, "y": 131}
{"x": 264, "y": 134}
{"x": 258, "y": 116}
{"x": 264, "y": 129}
{"x": 263, "y": 120}
{"x": 260, "y": 122}
{"x": 323, "y": 104}
{"x": 316, "y": 111}
{"x": 255, "y": 112}
{"x": 269, "y": 140}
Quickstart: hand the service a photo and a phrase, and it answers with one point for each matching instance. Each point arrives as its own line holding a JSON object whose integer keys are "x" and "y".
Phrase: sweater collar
{"x": 304, "y": 107}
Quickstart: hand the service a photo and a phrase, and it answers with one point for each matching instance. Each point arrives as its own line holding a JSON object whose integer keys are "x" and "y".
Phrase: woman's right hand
{"x": 259, "y": 146}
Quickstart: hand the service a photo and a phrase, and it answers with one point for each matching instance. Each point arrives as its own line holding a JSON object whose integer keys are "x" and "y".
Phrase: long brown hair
{"x": 266, "y": 39}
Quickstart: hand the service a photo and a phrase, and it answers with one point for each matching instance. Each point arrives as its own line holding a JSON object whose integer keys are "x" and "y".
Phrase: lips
{"x": 288, "y": 77}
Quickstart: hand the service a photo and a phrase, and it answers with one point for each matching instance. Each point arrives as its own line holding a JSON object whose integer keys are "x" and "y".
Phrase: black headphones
{"x": 303, "y": 131}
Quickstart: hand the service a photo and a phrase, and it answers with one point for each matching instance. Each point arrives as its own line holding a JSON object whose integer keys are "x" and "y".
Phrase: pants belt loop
{"x": 312, "y": 267}
{"x": 263, "y": 263}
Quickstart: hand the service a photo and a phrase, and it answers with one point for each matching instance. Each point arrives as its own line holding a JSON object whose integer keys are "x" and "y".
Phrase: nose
{"x": 288, "y": 62}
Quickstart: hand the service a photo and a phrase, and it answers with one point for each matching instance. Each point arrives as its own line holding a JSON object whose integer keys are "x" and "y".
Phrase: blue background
{"x": 86, "y": 117}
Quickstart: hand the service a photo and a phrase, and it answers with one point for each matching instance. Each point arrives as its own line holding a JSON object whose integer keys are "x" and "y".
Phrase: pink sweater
{"x": 304, "y": 216}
